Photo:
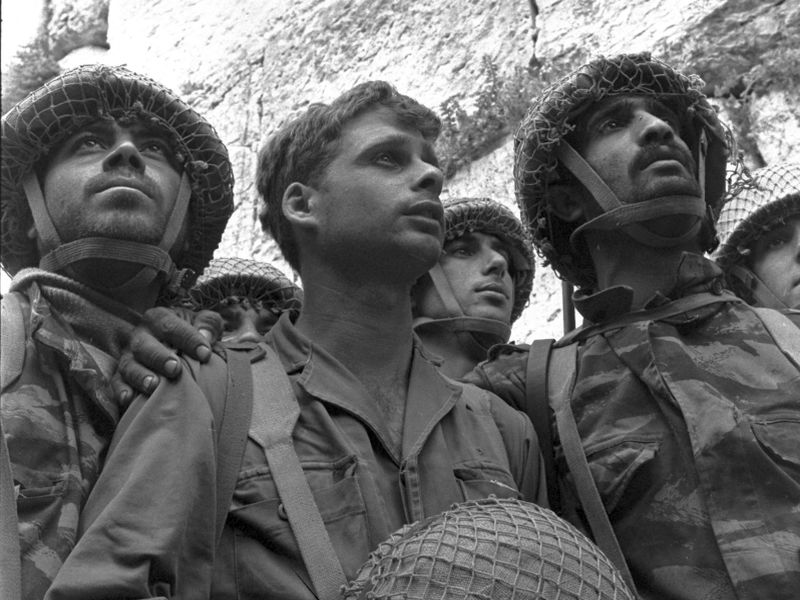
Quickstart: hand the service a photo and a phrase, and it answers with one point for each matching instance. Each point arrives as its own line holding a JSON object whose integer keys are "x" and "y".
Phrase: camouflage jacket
{"x": 691, "y": 427}
{"x": 58, "y": 414}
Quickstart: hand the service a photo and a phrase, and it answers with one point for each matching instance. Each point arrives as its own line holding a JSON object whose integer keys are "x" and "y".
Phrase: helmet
{"x": 773, "y": 198}
{"x": 499, "y": 549}
{"x": 258, "y": 282}
{"x": 542, "y": 154}
{"x": 463, "y": 215}
{"x": 774, "y": 195}
{"x": 76, "y": 98}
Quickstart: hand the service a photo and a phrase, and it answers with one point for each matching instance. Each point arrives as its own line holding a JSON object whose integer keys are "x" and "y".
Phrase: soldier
{"x": 469, "y": 300}
{"x": 759, "y": 229}
{"x": 114, "y": 192}
{"x": 250, "y": 296}
{"x": 681, "y": 398}
{"x": 346, "y": 403}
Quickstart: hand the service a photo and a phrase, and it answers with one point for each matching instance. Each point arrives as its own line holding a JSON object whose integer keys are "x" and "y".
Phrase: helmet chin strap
{"x": 154, "y": 260}
{"x": 762, "y": 295}
{"x": 628, "y": 217}
{"x": 473, "y": 331}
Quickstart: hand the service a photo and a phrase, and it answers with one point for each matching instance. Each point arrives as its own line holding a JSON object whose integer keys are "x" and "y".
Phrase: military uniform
{"x": 58, "y": 413}
{"x": 459, "y": 443}
{"x": 691, "y": 427}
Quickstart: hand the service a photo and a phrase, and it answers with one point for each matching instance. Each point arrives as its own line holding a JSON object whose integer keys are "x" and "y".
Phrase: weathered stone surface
{"x": 76, "y": 23}
{"x": 249, "y": 64}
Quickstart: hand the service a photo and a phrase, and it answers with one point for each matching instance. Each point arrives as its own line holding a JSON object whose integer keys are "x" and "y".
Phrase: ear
{"x": 298, "y": 204}
{"x": 564, "y": 201}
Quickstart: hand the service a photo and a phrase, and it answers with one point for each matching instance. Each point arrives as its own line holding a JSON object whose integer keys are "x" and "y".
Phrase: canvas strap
{"x": 274, "y": 418}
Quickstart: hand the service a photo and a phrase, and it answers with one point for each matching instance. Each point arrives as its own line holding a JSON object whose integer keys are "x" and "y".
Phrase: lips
{"x": 497, "y": 288}
{"x": 103, "y": 183}
{"x": 656, "y": 154}
{"x": 430, "y": 209}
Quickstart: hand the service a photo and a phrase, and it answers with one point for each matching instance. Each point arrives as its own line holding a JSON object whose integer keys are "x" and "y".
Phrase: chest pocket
{"x": 265, "y": 549}
{"x": 479, "y": 480}
{"x": 615, "y": 466}
{"x": 778, "y": 438}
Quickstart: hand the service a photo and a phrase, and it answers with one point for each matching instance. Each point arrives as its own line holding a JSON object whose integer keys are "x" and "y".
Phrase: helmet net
{"x": 230, "y": 279}
{"x": 551, "y": 118}
{"x": 491, "y": 549}
{"x": 484, "y": 215}
{"x": 773, "y": 197}
{"x": 34, "y": 127}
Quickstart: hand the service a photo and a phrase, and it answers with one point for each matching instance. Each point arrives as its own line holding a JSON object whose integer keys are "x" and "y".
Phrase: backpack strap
{"x": 785, "y": 333}
{"x": 561, "y": 377}
{"x": 12, "y": 358}
{"x": 12, "y": 342}
{"x": 272, "y": 425}
{"x": 232, "y": 437}
{"x": 537, "y": 408}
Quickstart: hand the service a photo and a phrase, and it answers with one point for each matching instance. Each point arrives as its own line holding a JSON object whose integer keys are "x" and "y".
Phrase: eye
{"x": 156, "y": 147}
{"x": 610, "y": 124}
{"x": 87, "y": 142}
{"x": 387, "y": 159}
{"x": 458, "y": 249}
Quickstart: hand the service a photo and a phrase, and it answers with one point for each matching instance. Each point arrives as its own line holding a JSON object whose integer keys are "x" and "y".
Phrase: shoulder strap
{"x": 12, "y": 355}
{"x": 785, "y": 333}
{"x": 561, "y": 375}
{"x": 12, "y": 342}
{"x": 233, "y": 431}
{"x": 274, "y": 419}
{"x": 538, "y": 410}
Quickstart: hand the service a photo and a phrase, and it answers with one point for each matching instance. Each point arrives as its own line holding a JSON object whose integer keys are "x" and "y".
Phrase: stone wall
{"x": 249, "y": 64}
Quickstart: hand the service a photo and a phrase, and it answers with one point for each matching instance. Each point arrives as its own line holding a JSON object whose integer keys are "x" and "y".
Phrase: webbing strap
{"x": 445, "y": 290}
{"x": 41, "y": 218}
{"x": 762, "y": 295}
{"x": 469, "y": 324}
{"x": 561, "y": 377}
{"x": 274, "y": 418}
{"x": 232, "y": 437}
{"x": 665, "y": 311}
{"x": 12, "y": 355}
{"x": 537, "y": 408}
{"x": 627, "y": 216}
{"x": 785, "y": 333}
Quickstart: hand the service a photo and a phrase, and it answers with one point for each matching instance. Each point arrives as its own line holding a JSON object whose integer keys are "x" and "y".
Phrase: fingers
{"x": 210, "y": 324}
{"x": 167, "y": 328}
{"x": 131, "y": 377}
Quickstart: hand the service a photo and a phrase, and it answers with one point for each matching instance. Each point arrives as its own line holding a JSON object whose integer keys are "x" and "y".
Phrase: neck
{"x": 620, "y": 260}
{"x": 365, "y": 326}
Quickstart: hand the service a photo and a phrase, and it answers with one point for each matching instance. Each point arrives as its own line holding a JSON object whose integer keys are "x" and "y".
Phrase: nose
{"x": 430, "y": 178}
{"x": 124, "y": 155}
{"x": 496, "y": 262}
{"x": 245, "y": 332}
{"x": 653, "y": 129}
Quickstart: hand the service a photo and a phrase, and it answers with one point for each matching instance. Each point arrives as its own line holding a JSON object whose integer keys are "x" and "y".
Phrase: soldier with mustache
{"x": 114, "y": 193}
{"x": 675, "y": 402}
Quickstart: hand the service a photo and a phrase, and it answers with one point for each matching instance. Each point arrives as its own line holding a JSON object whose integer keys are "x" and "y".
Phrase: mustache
{"x": 143, "y": 183}
{"x": 652, "y": 153}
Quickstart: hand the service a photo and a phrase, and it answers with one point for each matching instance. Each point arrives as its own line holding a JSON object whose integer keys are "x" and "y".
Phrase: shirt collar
{"x": 695, "y": 273}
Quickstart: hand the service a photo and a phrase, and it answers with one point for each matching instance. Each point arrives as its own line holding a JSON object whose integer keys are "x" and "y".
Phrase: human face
{"x": 111, "y": 181}
{"x": 378, "y": 200}
{"x": 634, "y": 144}
{"x": 477, "y": 267}
{"x": 245, "y": 321}
{"x": 776, "y": 261}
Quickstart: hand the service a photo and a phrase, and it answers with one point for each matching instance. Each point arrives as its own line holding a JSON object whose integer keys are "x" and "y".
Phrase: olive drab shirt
{"x": 458, "y": 443}
{"x": 690, "y": 426}
{"x": 58, "y": 414}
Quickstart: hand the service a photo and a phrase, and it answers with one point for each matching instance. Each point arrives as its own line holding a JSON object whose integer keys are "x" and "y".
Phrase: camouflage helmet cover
{"x": 491, "y": 548}
{"x": 773, "y": 197}
{"x": 551, "y": 118}
{"x": 489, "y": 216}
{"x": 228, "y": 277}
{"x": 49, "y": 115}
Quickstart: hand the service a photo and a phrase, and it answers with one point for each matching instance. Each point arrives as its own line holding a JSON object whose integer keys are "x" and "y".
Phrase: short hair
{"x": 302, "y": 149}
